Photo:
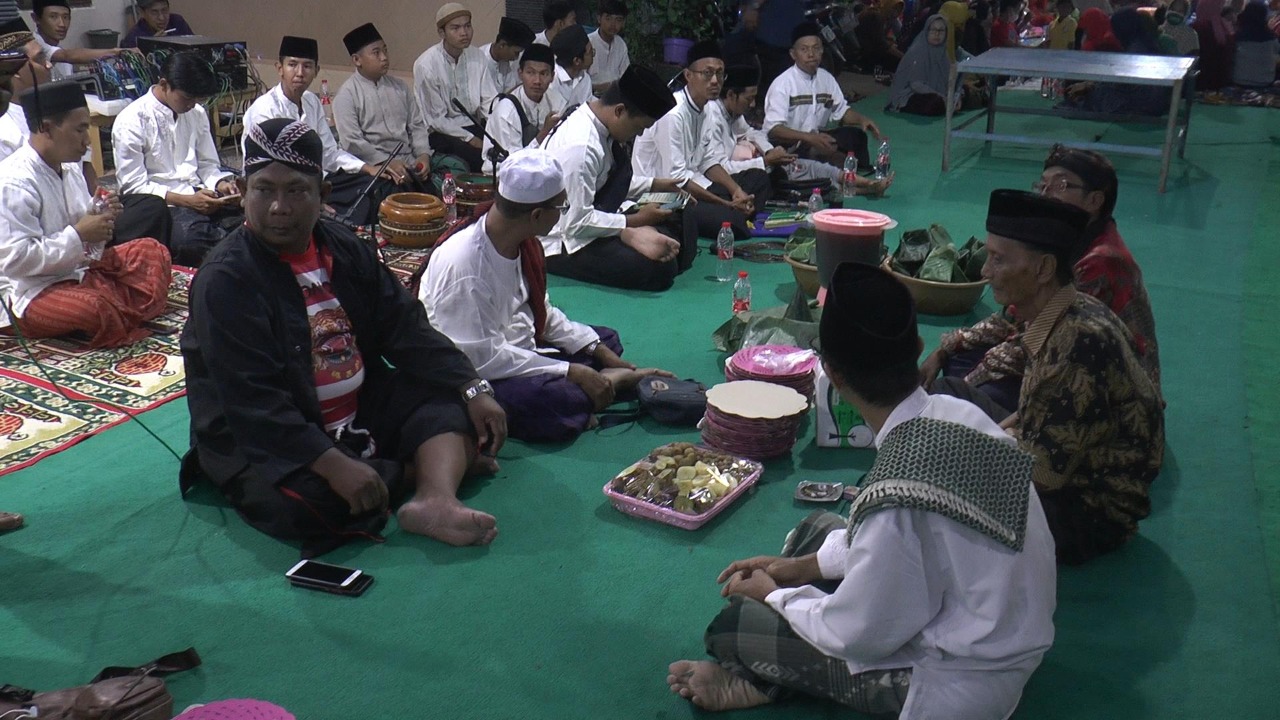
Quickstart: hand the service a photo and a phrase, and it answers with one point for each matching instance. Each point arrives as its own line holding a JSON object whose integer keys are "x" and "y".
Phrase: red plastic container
{"x": 848, "y": 236}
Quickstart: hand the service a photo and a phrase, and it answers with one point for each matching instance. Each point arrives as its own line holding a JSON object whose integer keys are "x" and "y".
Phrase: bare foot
{"x": 484, "y": 465}
{"x": 448, "y": 521}
{"x": 625, "y": 380}
{"x": 711, "y": 687}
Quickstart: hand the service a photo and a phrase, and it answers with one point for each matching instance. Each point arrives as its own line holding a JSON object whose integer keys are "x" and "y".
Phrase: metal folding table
{"x": 1177, "y": 73}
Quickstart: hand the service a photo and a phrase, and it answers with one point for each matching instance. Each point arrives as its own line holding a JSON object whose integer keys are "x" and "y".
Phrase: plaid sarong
{"x": 754, "y": 642}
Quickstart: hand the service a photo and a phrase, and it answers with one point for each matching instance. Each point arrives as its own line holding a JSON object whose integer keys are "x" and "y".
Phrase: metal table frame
{"x": 1177, "y": 73}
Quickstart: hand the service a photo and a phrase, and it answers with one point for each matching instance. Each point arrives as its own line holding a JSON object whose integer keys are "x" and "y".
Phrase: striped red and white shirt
{"x": 339, "y": 367}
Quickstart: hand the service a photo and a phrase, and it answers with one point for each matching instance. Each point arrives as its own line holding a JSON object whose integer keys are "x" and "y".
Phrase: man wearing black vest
{"x": 518, "y": 117}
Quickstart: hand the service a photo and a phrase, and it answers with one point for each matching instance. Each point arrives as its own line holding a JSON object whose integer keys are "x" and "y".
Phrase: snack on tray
{"x": 682, "y": 477}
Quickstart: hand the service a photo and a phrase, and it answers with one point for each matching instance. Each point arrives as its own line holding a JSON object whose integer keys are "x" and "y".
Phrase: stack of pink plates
{"x": 753, "y": 419}
{"x": 784, "y": 365}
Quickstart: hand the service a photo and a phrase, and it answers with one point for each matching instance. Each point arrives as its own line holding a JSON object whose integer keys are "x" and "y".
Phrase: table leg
{"x": 991, "y": 106}
{"x": 951, "y": 108}
{"x": 1170, "y": 129}
{"x": 1186, "y": 121}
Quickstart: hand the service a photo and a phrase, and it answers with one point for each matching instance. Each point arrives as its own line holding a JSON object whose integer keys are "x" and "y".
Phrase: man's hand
{"x": 871, "y": 128}
{"x": 476, "y": 143}
{"x": 550, "y": 122}
{"x": 667, "y": 185}
{"x": 353, "y": 481}
{"x": 424, "y": 162}
{"x": 651, "y": 244}
{"x": 205, "y": 202}
{"x": 96, "y": 229}
{"x": 777, "y": 157}
{"x": 931, "y": 366}
{"x": 822, "y": 142}
{"x": 596, "y": 386}
{"x": 755, "y": 584}
{"x": 396, "y": 171}
{"x": 490, "y": 422}
{"x": 786, "y": 572}
{"x": 610, "y": 359}
{"x": 226, "y": 188}
{"x": 647, "y": 215}
{"x": 742, "y": 202}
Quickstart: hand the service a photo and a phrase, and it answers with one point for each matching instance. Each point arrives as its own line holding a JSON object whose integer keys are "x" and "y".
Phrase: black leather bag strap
{"x": 160, "y": 667}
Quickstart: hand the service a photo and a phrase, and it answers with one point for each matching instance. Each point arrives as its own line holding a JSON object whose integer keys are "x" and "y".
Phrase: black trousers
{"x": 400, "y": 417}
{"x": 848, "y": 140}
{"x": 613, "y": 263}
{"x": 710, "y": 217}
{"x": 451, "y": 145}
{"x": 346, "y": 198}
{"x": 188, "y": 234}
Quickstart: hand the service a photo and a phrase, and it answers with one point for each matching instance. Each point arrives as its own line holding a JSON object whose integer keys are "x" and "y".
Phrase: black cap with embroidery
{"x": 360, "y": 38}
{"x": 300, "y": 47}
{"x": 1045, "y": 223}
{"x": 869, "y": 319}
{"x": 646, "y": 91}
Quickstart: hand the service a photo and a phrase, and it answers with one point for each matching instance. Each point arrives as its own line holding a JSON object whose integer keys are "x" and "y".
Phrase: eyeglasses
{"x": 562, "y": 209}
{"x": 709, "y": 74}
{"x": 1055, "y": 186}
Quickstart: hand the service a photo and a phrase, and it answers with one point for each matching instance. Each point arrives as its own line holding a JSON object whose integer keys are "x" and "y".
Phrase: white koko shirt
{"x": 274, "y": 104}
{"x": 157, "y": 152}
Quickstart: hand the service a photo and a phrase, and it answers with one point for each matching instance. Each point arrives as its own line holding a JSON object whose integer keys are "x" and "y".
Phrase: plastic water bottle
{"x": 449, "y": 193}
{"x": 849, "y": 189}
{"x": 100, "y": 204}
{"x": 326, "y": 101}
{"x": 724, "y": 253}
{"x": 814, "y": 206}
{"x": 882, "y": 161}
{"x": 742, "y": 293}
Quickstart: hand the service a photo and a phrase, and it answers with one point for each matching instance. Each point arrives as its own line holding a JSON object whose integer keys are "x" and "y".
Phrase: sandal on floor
{"x": 10, "y": 521}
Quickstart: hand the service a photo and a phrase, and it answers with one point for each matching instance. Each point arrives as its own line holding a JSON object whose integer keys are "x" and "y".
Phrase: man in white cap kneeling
{"x": 486, "y": 288}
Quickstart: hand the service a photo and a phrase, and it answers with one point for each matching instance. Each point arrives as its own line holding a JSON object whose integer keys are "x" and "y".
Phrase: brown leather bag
{"x": 118, "y": 693}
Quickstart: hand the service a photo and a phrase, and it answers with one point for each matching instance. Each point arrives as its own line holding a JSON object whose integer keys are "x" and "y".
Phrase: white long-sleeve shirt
{"x": 505, "y": 75}
{"x": 438, "y": 79}
{"x": 60, "y": 70}
{"x": 803, "y": 102}
{"x": 720, "y": 136}
{"x": 274, "y": 104}
{"x": 971, "y": 617}
{"x": 481, "y": 301}
{"x": 672, "y": 147}
{"x": 566, "y": 91}
{"x": 39, "y": 245}
{"x": 13, "y": 130}
{"x": 612, "y": 59}
{"x": 158, "y": 152}
{"x": 504, "y": 123}
{"x": 372, "y": 117}
{"x": 582, "y": 145}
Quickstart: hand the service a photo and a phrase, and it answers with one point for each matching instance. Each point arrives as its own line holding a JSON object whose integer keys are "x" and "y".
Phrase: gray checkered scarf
{"x": 954, "y": 471}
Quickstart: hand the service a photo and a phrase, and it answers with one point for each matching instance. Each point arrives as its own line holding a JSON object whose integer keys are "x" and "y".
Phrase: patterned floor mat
{"x": 1251, "y": 97}
{"x": 36, "y": 420}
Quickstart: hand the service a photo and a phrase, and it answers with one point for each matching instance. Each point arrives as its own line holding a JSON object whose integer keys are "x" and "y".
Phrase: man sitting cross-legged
{"x": 802, "y": 101}
{"x": 347, "y": 174}
{"x": 1087, "y": 408}
{"x": 171, "y": 182}
{"x": 486, "y": 288}
{"x": 936, "y": 597}
{"x": 56, "y": 275}
{"x": 319, "y": 394}
{"x": 593, "y": 241}
{"x": 524, "y": 115}
{"x": 674, "y": 148}
{"x": 375, "y": 112}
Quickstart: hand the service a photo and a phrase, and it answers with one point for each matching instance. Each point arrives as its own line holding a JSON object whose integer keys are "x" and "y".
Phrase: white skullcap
{"x": 530, "y": 176}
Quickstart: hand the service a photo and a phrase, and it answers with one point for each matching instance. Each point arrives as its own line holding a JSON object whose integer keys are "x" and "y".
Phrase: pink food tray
{"x": 649, "y": 511}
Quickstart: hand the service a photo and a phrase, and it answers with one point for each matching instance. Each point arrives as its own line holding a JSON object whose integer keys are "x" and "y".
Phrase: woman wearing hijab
{"x": 876, "y": 36}
{"x": 956, "y": 13}
{"x": 1256, "y": 48}
{"x": 1217, "y": 45}
{"x": 1175, "y": 27}
{"x": 1097, "y": 32}
{"x": 920, "y": 85}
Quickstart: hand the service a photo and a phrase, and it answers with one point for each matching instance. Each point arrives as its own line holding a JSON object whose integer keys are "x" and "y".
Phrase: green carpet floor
{"x": 576, "y": 610}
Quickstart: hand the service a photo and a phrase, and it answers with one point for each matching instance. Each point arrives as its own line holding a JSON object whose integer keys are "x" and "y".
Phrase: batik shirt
{"x": 1088, "y": 411}
{"x": 1107, "y": 272}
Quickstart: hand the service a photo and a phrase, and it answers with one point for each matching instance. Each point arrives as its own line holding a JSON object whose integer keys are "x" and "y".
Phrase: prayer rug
{"x": 138, "y": 377}
{"x": 403, "y": 262}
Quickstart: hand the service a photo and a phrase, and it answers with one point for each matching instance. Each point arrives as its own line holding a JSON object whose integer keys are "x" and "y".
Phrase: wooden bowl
{"x": 806, "y": 275}
{"x": 939, "y": 298}
{"x": 473, "y": 189}
{"x": 412, "y": 220}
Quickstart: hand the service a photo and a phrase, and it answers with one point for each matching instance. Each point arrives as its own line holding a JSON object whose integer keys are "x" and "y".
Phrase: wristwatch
{"x": 590, "y": 349}
{"x": 476, "y": 388}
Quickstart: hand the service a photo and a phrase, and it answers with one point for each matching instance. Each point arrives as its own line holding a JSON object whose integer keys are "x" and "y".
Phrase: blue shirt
{"x": 177, "y": 27}
{"x": 777, "y": 19}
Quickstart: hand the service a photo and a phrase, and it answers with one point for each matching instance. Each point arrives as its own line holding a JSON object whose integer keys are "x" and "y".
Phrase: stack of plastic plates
{"x": 753, "y": 419}
{"x": 784, "y": 365}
